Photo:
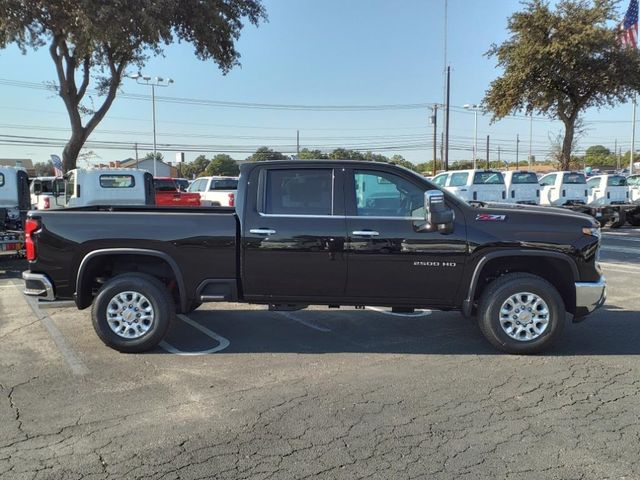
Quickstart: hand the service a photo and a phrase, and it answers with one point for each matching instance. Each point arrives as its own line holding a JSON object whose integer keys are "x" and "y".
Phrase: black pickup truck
{"x": 323, "y": 233}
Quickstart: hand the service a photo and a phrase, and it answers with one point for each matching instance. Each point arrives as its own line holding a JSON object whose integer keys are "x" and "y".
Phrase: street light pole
{"x": 153, "y": 83}
{"x": 474, "y": 107}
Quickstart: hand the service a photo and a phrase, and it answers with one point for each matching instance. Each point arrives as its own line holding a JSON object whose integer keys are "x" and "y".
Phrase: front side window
{"x": 488, "y": 178}
{"x": 440, "y": 180}
{"x": 117, "y": 181}
{"x": 382, "y": 194}
{"x": 548, "y": 180}
{"x": 633, "y": 181}
{"x": 574, "y": 179}
{"x": 459, "y": 179}
{"x": 593, "y": 183}
{"x": 299, "y": 192}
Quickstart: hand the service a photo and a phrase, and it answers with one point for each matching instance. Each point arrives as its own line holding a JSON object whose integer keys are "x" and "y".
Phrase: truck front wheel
{"x": 521, "y": 313}
{"x": 132, "y": 312}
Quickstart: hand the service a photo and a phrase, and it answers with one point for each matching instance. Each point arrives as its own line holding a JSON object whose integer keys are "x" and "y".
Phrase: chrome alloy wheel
{"x": 130, "y": 315}
{"x": 524, "y": 316}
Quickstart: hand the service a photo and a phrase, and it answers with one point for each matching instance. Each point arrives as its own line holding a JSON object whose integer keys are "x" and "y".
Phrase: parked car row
{"x": 610, "y": 198}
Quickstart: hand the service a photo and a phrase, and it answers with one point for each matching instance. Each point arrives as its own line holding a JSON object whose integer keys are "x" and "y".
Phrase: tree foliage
{"x": 44, "y": 169}
{"x": 265, "y": 153}
{"x": 96, "y": 41}
{"x": 222, "y": 164}
{"x": 559, "y": 61}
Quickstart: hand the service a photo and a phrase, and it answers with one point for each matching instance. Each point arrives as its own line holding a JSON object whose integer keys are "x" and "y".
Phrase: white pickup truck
{"x": 563, "y": 189}
{"x": 45, "y": 199}
{"x": 522, "y": 187}
{"x": 216, "y": 191}
{"x": 474, "y": 185}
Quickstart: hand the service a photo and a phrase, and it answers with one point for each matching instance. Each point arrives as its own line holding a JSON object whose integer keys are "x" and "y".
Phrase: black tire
{"x": 634, "y": 220}
{"x": 617, "y": 224}
{"x": 158, "y": 298}
{"x": 499, "y": 291}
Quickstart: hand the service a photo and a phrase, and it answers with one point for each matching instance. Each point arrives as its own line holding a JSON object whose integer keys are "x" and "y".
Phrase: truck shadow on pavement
{"x": 610, "y": 331}
{"x": 12, "y": 267}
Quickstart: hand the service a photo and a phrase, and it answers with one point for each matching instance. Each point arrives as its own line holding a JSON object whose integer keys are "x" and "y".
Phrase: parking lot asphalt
{"x": 238, "y": 392}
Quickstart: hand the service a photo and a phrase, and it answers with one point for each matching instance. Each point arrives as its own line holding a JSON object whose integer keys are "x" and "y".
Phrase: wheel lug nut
{"x": 515, "y": 317}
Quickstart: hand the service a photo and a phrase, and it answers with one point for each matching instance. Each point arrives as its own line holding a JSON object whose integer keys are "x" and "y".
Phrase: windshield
{"x": 164, "y": 185}
{"x": 616, "y": 181}
{"x": 574, "y": 178}
{"x": 524, "y": 177}
{"x": 224, "y": 184}
{"x": 488, "y": 178}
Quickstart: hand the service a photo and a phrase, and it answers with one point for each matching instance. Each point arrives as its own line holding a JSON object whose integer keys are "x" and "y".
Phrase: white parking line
{"x": 304, "y": 322}
{"x": 630, "y": 250}
{"x": 417, "y": 313}
{"x": 623, "y": 239}
{"x": 222, "y": 342}
{"x": 76, "y": 365}
{"x": 620, "y": 267}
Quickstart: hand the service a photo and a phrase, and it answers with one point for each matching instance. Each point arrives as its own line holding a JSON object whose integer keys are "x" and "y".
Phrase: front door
{"x": 294, "y": 234}
{"x": 391, "y": 259}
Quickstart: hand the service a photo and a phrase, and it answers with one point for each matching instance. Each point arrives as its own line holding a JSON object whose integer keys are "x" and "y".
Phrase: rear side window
{"x": 117, "y": 181}
{"x": 616, "y": 181}
{"x": 593, "y": 183}
{"x": 573, "y": 178}
{"x": 1, "y": 180}
{"x": 299, "y": 192}
{"x": 634, "y": 181}
{"x": 488, "y": 178}
{"x": 224, "y": 184}
{"x": 440, "y": 180}
{"x": 458, "y": 179}
{"x": 524, "y": 177}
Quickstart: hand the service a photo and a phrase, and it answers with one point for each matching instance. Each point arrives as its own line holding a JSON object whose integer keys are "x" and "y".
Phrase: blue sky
{"x": 330, "y": 52}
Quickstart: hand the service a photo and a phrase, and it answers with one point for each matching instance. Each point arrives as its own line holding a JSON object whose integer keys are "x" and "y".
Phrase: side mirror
{"x": 58, "y": 187}
{"x": 37, "y": 187}
{"x": 437, "y": 215}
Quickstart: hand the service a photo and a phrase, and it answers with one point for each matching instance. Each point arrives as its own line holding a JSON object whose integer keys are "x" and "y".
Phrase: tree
{"x": 223, "y": 165}
{"x": 400, "y": 160}
{"x": 158, "y": 156}
{"x": 306, "y": 154}
{"x": 44, "y": 169}
{"x": 558, "y": 62}
{"x": 265, "y": 153}
{"x": 96, "y": 41}
{"x": 598, "y": 155}
{"x": 195, "y": 168}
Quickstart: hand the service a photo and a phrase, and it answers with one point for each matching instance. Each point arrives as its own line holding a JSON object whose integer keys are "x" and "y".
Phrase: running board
{"x": 286, "y": 307}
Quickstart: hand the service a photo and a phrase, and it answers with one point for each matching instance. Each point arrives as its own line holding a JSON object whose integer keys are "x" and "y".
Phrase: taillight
{"x": 46, "y": 204}
{"x": 31, "y": 226}
{"x": 232, "y": 200}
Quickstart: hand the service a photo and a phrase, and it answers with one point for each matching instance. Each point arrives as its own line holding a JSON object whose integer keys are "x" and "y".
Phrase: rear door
{"x": 293, "y": 234}
{"x": 392, "y": 261}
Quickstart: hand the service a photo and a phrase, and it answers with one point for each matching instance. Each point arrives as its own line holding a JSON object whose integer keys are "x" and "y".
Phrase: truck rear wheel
{"x": 520, "y": 313}
{"x": 634, "y": 220}
{"x": 132, "y": 312}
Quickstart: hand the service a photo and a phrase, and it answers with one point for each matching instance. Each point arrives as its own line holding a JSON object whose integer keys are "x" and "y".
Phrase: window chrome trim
{"x": 348, "y": 217}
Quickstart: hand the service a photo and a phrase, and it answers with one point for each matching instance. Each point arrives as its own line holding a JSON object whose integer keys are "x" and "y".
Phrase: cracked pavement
{"x": 369, "y": 395}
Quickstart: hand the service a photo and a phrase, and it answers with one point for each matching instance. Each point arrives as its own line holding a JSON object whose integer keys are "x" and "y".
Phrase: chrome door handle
{"x": 365, "y": 233}
{"x": 262, "y": 231}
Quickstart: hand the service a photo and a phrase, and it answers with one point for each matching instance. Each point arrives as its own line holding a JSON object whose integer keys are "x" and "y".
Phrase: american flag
{"x": 57, "y": 163}
{"x": 628, "y": 35}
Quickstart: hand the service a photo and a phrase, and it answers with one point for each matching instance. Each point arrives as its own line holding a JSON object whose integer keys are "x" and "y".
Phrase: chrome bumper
{"x": 590, "y": 295}
{"x": 38, "y": 285}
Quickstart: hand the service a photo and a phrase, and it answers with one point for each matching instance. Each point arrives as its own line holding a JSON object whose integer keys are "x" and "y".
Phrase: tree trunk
{"x": 567, "y": 143}
{"x": 71, "y": 151}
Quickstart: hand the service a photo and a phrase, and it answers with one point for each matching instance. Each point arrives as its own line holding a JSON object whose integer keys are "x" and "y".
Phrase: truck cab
{"x": 522, "y": 187}
{"x": 123, "y": 186}
{"x": 563, "y": 189}
{"x": 215, "y": 191}
{"x": 477, "y": 185}
{"x": 42, "y": 193}
{"x": 607, "y": 190}
{"x": 633, "y": 183}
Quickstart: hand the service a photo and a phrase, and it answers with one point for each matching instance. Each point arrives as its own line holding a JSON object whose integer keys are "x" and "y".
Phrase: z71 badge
{"x": 487, "y": 217}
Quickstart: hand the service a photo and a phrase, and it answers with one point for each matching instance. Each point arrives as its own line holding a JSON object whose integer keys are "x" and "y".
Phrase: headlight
{"x": 592, "y": 231}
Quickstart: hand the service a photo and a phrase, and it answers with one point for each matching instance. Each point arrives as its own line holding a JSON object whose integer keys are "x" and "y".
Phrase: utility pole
{"x": 434, "y": 122}
{"x": 446, "y": 122}
{"x": 298, "y": 144}
{"x": 530, "y": 137}
{"x": 499, "y": 154}
{"x": 136, "y": 147}
{"x": 487, "y": 152}
{"x": 517, "y": 150}
{"x": 615, "y": 152}
{"x": 442, "y": 148}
